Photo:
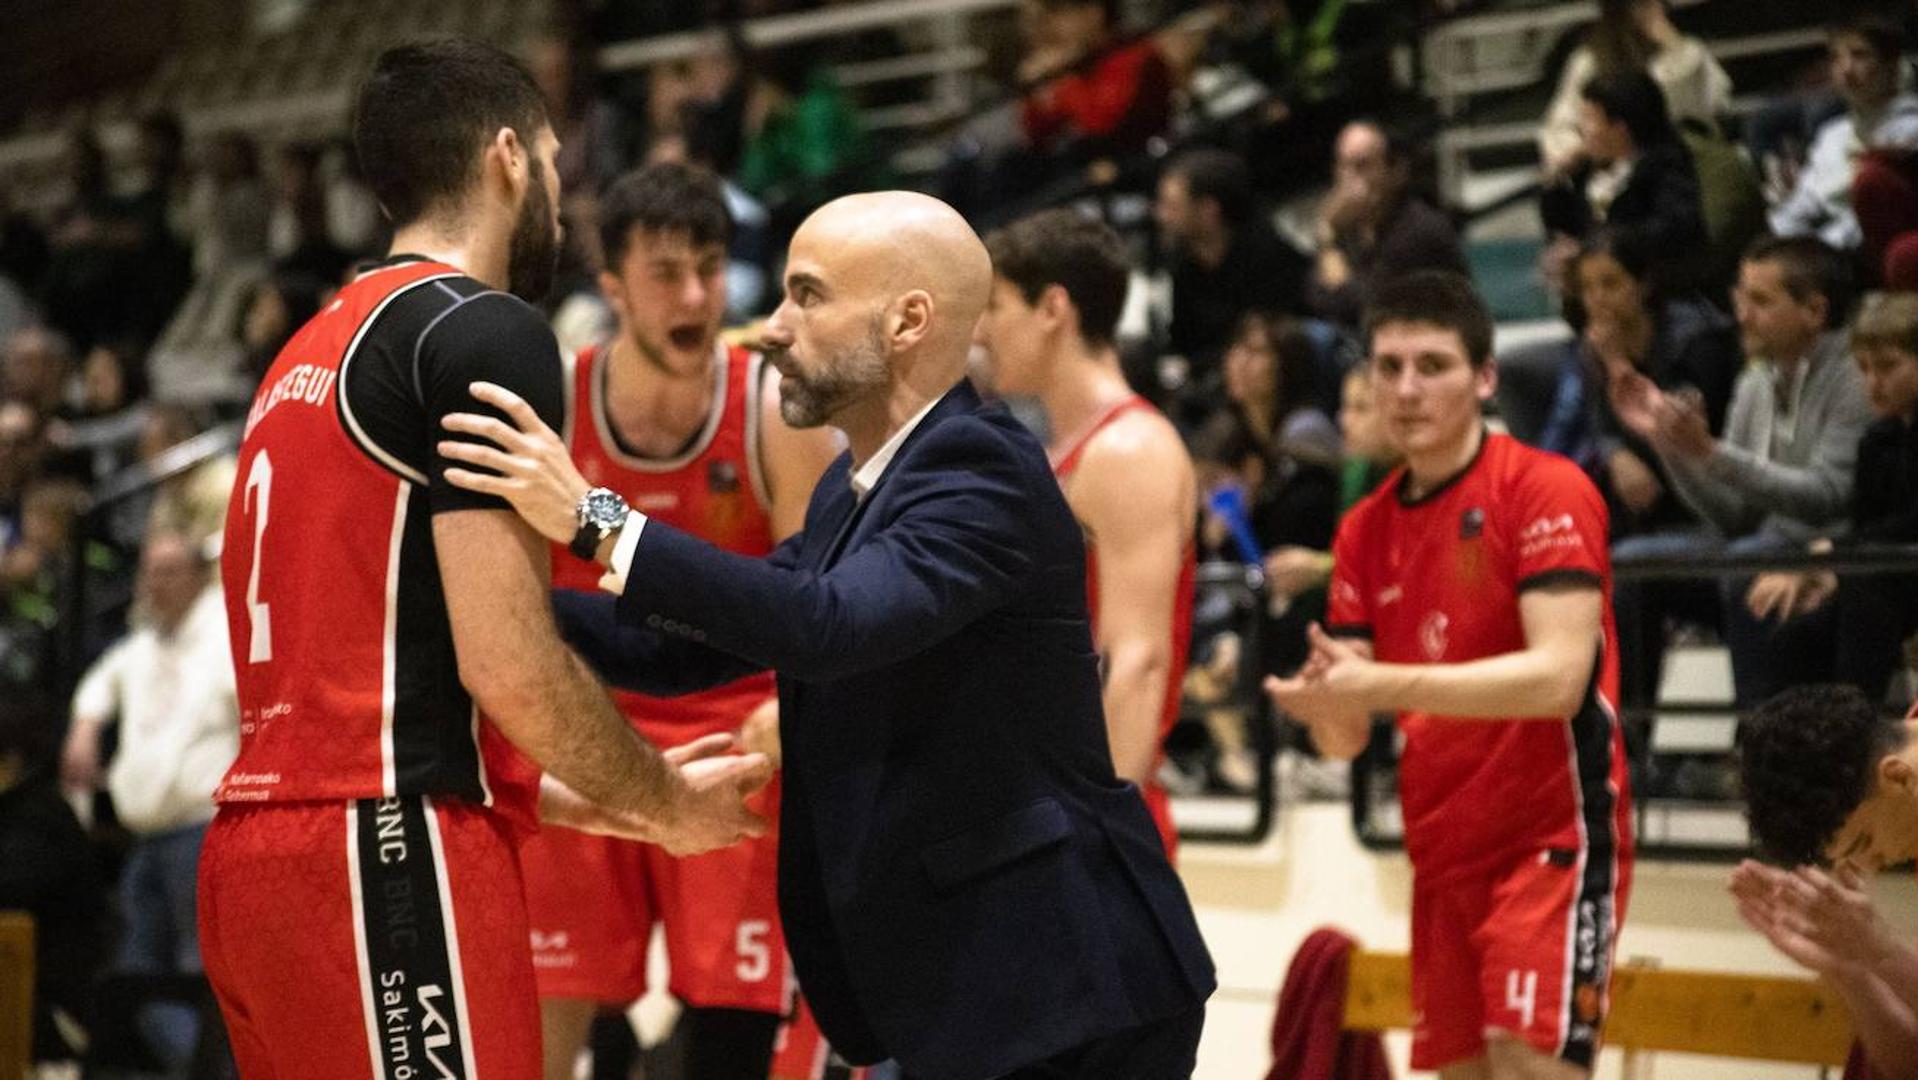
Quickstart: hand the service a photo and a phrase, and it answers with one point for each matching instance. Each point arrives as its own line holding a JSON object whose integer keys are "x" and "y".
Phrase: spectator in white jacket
{"x": 1865, "y": 56}
{"x": 170, "y": 684}
{"x": 1633, "y": 34}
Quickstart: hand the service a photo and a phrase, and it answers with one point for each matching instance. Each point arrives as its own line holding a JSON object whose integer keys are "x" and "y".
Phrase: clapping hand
{"x": 1825, "y": 922}
{"x": 1328, "y": 692}
{"x": 535, "y": 473}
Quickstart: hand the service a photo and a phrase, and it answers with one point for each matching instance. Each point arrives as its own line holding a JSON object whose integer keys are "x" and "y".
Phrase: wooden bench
{"x": 1758, "y": 1017}
{"x": 16, "y": 994}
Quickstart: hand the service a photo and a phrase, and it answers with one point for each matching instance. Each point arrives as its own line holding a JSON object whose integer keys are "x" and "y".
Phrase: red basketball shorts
{"x": 1526, "y": 952}
{"x": 381, "y": 938}
{"x": 592, "y": 902}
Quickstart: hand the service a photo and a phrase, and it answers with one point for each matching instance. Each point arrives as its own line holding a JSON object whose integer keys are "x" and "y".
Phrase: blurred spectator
{"x": 198, "y": 356}
{"x": 1226, "y": 259}
{"x": 170, "y": 683}
{"x": 276, "y": 308}
{"x": 37, "y": 574}
{"x": 1782, "y": 470}
{"x": 112, "y": 272}
{"x": 37, "y": 368}
{"x": 110, "y": 413}
{"x": 1851, "y": 628}
{"x": 297, "y": 235}
{"x": 192, "y": 503}
{"x": 1098, "y": 99}
{"x": 23, "y": 451}
{"x": 23, "y": 249}
{"x": 1632, "y": 35}
{"x": 1636, "y": 177}
{"x": 159, "y": 206}
{"x": 47, "y": 870}
{"x": 1274, "y": 447}
{"x": 1683, "y": 345}
{"x": 596, "y": 140}
{"x": 802, "y": 139}
{"x": 1884, "y": 195}
{"x": 354, "y": 220}
{"x": 1373, "y": 227}
{"x": 1092, "y": 102}
{"x": 1865, "y": 57}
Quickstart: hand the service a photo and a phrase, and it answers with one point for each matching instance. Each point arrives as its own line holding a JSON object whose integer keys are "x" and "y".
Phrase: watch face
{"x": 604, "y": 508}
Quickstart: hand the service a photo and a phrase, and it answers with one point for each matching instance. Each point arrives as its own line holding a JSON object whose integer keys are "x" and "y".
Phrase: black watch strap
{"x": 586, "y": 541}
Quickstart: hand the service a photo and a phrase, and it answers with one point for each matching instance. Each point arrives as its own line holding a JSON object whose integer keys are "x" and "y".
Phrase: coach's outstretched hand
{"x": 708, "y": 809}
{"x": 534, "y": 471}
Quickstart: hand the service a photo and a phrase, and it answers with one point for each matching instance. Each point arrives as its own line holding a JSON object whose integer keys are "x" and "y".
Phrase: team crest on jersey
{"x": 1471, "y": 523}
{"x": 722, "y": 477}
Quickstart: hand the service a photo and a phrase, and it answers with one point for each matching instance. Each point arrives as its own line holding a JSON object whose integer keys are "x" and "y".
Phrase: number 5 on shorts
{"x": 755, "y": 952}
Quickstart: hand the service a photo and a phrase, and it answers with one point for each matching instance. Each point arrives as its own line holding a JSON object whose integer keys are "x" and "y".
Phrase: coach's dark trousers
{"x": 1161, "y": 1050}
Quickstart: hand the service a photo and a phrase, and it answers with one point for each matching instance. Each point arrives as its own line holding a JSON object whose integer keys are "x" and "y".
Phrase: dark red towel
{"x": 1308, "y": 1041}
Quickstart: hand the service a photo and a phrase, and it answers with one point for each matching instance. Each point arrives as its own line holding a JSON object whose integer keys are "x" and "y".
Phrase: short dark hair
{"x": 1079, "y": 254}
{"x": 1807, "y": 758}
{"x": 1881, "y": 32}
{"x": 1295, "y": 363}
{"x": 425, "y": 113}
{"x": 1629, "y": 249}
{"x": 1809, "y": 267}
{"x": 668, "y": 197}
{"x": 1633, "y": 98}
{"x": 1434, "y": 298}
{"x": 1219, "y": 175}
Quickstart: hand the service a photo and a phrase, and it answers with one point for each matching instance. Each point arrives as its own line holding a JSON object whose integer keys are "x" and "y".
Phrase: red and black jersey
{"x": 348, "y": 683}
{"x": 1437, "y": 580}
{"x": 713, "y": 489}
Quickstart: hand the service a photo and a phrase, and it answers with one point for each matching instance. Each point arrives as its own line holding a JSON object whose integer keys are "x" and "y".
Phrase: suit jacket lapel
{"x": 962, "y": 398}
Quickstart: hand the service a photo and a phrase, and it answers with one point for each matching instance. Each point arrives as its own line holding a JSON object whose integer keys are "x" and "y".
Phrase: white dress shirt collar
{"x": 867, "y": 476}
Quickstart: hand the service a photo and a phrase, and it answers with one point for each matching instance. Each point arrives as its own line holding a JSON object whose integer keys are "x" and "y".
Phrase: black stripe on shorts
{"x": 416, "y": 1014}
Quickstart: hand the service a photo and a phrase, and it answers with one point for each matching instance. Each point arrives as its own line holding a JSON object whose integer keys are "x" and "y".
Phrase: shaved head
{"x": 883, "y": 291}
{"x": 887, "y": 244}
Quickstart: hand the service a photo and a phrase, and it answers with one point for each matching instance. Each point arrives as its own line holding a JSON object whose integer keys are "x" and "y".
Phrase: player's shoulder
{"x": 1140, "y": 444}
{"x": 1380, "y": 501}
{"x": 1515, "y": 465}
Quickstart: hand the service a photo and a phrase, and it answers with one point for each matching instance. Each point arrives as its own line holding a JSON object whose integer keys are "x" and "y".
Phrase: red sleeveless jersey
{"x": 347, "y": 679}
{"x": 714, "y": 490}
{"x": 1063, "y": 467}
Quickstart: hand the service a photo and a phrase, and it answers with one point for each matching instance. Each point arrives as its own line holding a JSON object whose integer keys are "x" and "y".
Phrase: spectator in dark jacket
{"x": 47, "y": 870}
{"x": 1683, "y": 344}
{"x": 1373, "y": 227}
{"x": 1638, "y": 178}
{"x": 1850, "y": 628}
{"x": 1226, "y": 258}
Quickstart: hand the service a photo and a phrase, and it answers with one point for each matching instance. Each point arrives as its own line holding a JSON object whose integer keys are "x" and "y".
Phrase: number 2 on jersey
{"x": 258, "y": 615}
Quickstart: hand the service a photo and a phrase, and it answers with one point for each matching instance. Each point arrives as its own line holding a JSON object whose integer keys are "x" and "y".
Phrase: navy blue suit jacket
{"x": 966, "y": 886}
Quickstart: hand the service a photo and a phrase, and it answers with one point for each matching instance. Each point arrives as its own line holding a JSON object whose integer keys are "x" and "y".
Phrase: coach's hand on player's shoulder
{"x": 530, "y": 466}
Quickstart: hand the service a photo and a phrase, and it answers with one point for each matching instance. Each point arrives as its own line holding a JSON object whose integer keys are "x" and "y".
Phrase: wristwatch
{"x": 599, "y": 512}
